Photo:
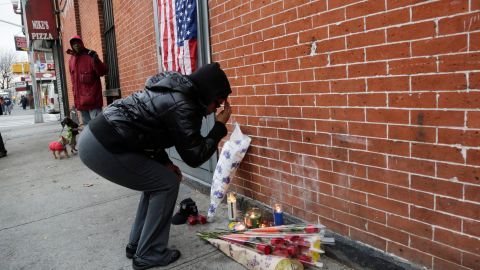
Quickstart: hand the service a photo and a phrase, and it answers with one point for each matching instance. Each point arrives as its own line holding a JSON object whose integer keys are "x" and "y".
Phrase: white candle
{"x": 232, "y": 206}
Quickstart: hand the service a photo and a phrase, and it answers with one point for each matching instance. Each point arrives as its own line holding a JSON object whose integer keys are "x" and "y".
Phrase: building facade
{"x": 364, "y": 115}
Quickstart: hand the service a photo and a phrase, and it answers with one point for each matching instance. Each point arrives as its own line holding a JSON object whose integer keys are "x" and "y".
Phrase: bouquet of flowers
{"x": 232, "y": 154}
{"x": 273, "y": 247}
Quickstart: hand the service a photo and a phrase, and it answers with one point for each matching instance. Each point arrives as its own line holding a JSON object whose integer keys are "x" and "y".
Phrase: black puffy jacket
{"x": 168, "y": 112}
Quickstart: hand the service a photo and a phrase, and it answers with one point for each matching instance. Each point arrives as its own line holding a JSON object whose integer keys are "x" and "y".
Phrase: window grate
{"x": 112, "y": 78}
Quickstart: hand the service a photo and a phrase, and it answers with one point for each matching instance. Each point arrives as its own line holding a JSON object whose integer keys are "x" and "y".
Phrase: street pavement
{"x": 20, "y": 118}
{"x": 57, "y": 214}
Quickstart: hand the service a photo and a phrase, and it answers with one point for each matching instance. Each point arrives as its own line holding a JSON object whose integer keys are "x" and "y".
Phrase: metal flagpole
{"x": 36, "y": 93}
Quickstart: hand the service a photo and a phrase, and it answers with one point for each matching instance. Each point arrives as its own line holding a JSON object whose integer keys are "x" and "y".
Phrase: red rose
{"x": 264, "y": 249}
{"x": 311, "y": 229}
{"x": 192, "y": 220}
{"x": 277, "y": 241}
{"x": 201, "y": 219}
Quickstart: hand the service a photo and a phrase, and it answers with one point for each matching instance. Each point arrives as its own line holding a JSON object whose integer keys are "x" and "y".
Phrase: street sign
{"x": 20, "y": 43}
{"x": 21, "y": 68}
{"x": 20, "y": 84}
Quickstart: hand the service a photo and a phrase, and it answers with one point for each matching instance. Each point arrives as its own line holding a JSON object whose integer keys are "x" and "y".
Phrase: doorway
{"x": 162, "y": 8}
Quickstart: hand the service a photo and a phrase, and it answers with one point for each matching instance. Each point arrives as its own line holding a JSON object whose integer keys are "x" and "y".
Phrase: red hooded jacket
{"x": 85, "y": 72}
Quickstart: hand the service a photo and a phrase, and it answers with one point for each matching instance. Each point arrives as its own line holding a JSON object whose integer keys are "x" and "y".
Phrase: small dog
{"x": 72, "y": 132}
{"x": 59, "y": 146}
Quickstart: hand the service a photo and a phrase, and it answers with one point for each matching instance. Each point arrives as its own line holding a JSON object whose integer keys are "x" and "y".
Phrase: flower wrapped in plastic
{"x": 297, "y": 243}
{"x": 232, "y": 154}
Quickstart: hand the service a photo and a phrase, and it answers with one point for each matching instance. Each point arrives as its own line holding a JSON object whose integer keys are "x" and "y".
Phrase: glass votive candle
{"x": 252, "y": 218}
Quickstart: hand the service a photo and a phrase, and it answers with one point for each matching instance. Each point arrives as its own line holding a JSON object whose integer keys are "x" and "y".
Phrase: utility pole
{"x": 31, "y": 60}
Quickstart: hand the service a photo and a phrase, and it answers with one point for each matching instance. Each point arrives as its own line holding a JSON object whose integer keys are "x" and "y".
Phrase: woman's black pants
{"x": 151, "y": 228}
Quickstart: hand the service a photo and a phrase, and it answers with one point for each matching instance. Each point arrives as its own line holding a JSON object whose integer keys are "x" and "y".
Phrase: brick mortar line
{"x": 387, "y": 61}
{"x": 371, "y": 151}
{"x": 469, "y": 11}
{"x": 350, "y": 64}
{"x": 366, "y": 178}
{"x": 386, "y": 212}
{"x": 367, "y": 107}
{"x": 474, "y": 90}
{"x": 387, "y": 185}
{"x": 359, "y": 122}
{"x": 405, "y": 217}
{"x": 397, "y": 228}
{"x": 355, "y": 33}
{"x": 344, "y": 50}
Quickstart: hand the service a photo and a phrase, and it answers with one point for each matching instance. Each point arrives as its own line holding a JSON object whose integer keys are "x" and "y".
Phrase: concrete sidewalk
{"x": 57, "y": 214}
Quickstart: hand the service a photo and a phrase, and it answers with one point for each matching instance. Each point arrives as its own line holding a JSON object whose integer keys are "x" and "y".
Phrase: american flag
{"x": 178, "y": 35}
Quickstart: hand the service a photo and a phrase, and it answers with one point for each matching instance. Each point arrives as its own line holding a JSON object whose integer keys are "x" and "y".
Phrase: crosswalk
{"x": 8, "y": 121}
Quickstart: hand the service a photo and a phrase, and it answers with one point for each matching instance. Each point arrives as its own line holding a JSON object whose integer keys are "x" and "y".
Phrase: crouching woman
{"x": 126, "y": 144}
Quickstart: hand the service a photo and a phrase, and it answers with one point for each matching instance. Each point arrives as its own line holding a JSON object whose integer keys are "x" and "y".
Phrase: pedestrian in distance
{"x": 2, "y": 106}
{"x": 24, "y": 102}
{"x": 126, "y": 144}
{"x": 8, "y": 105}
{"x": 86, "y": 68}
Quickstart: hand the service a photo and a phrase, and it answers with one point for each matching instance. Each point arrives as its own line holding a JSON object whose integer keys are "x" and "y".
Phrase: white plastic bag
{"x": 232, "y": 154}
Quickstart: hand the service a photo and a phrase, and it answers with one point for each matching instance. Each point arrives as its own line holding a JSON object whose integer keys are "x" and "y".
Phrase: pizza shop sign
{"x": 41, "y": 20}
{"x": 43, "y": 25}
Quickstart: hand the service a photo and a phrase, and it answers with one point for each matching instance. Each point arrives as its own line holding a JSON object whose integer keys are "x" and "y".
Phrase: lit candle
{"x": 252, "y": 218}
{"x": 232, "y": 206}
{"x": 247, "y": 221}
{"x": 278, "y": 214}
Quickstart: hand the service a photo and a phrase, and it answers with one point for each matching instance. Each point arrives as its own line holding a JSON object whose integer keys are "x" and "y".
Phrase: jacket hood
{"x": 71, "y": 51}
{"x": 211, "y": 83}
{"x": 170, "y": 81}
{"x": 76, "y": 37}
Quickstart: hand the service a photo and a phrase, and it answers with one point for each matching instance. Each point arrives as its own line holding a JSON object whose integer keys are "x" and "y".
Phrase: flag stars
{"x": 185, "y": 23}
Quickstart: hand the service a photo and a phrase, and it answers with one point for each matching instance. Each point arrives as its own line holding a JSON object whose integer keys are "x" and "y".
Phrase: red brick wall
{"x": 135, "y": 32}
{"x": 364, "y": 116}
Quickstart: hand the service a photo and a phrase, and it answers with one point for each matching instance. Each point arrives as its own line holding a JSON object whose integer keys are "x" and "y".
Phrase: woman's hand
{"x": 224, "y": 115}
{"x": 174, "y": 168}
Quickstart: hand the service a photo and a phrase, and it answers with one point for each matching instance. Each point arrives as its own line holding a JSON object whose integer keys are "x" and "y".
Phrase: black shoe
{"x": 171, "y": 257}
{"x": 3, "y": 154}
{"x": 130, "y": 250}
{"x": 187, "y": 208}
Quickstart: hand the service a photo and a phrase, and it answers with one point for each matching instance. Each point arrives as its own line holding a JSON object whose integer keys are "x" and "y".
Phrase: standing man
{"x": 85, "y": 71}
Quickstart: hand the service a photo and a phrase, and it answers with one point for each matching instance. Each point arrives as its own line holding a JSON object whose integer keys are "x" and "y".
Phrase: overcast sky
{"x": 7, "y": 31}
